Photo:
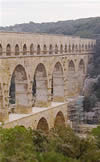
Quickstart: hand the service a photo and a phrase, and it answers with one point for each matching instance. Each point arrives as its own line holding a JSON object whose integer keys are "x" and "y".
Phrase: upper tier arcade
{"x": 26, "y": 44}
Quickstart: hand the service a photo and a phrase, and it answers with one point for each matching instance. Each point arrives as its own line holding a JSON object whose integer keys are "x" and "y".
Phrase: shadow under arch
{"x": 43, "y": 125}
{"x": 18, "y": 89}
{"x": 59, "y": 120}
{"x": 40, "y": 86}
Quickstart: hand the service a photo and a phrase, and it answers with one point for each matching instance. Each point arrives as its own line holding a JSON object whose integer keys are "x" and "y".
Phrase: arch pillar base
{"x": 22, "y": 109}
{"x": 58, "y": 99}
{"x": 4, "y": 116}
{"x": 42, "y": 104}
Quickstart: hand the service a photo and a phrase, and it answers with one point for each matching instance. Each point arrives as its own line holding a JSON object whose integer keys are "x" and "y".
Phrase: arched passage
{"x": 43, "y": 125}
{"x": 82, "y": 66}
{"x": 19, "y": 90}
{"x": 71, "y": 67}
{"x": 40, "y": 87}
{"x": 59, "y": 120}
{"x": 71, "y": 79}
{"x": 58, "y": 83}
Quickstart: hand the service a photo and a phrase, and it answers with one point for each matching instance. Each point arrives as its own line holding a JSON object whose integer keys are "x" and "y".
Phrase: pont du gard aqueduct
{"x": 39, "y": 74}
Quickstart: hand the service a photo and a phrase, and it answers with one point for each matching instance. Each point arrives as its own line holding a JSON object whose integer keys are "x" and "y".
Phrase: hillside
{"x": 87, "y": 27}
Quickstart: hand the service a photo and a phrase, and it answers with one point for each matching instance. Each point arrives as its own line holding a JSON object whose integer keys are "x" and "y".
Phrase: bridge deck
{"x": 35, "y": 110}
{"x": 32, "y": 119}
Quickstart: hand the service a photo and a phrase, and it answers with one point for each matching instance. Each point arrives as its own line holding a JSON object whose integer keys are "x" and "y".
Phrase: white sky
{"x": 21, "y": 11}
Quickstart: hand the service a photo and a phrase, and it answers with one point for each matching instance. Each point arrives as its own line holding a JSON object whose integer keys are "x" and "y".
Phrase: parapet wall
{"x": 19, "y": 44}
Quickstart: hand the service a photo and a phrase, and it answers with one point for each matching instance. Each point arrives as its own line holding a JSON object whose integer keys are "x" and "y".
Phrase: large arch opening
{"x": 57, "y": 86}
{"x": 59, "y": 120}
{"x": 18, "y": 92}
{"x": 82, "y": 66}
{"x": 43, "y": 125}
{"x": 40, "y": 87}
{"x": 71, "y": 79}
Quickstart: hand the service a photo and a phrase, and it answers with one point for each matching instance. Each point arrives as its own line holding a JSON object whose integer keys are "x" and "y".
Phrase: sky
{"x": 23, "y": 11}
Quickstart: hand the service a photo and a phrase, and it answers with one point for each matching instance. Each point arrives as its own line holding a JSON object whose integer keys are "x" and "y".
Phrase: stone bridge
{"x": 38, "y": 73}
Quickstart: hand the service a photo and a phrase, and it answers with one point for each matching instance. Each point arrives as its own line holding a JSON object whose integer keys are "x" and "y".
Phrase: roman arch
{"x": 38, "y": 73}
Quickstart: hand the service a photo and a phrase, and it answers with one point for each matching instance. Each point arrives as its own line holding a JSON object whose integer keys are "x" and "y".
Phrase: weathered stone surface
{"x": 41, "y": 61}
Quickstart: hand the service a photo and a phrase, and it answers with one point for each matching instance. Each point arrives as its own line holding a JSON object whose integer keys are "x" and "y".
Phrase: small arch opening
{"x": 43, "y": 125}
{"x": 31, "y": 49}
{"x": 8, "y": 50}
{"x": 73, "y": 47}
{"x": 0, "y": 50}
{"x": 82, "y": 66}
{"x": 50, "y": 49}
{"x": 61, "y": 48}
{"x": 17, "y": 49}
{"x": 24, "y": 49}
{"x": 38, "y": 49}
{"x": 59, "y": 120}
{"x": 71, "y": 66}
{"x": 56, "y": 49}
{"x": 65, "y": 48}
{"x": 45, "y": 49}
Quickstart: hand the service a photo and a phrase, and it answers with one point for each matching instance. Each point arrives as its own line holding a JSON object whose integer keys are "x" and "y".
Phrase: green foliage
{"x": 16, "y": 145}
{"x": 96, "y": 134}
{"x": 61, "y": 144}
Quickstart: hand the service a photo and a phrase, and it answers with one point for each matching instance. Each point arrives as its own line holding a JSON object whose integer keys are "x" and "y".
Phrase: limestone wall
{"x": 33, "y": 119}
{"x": 44, "y": 59}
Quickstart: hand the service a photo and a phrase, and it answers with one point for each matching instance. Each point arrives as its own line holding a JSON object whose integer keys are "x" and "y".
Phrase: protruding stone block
{"x": 22, "y": 109}
{"x": 42, "y": 104}
{"x": 4, "y": 116}
{"x": 58, "y": 99}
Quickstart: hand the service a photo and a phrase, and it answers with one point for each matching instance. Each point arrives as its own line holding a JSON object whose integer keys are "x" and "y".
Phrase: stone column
{"x": 22, "y": 101}
{"x": 3, "y": 103}
{"x": 58, "y": 87}
{"x": 41, "y": 92}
